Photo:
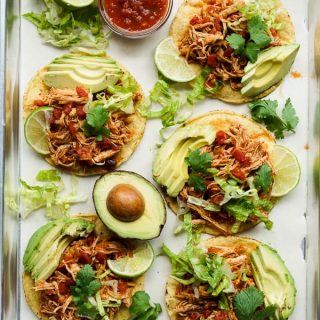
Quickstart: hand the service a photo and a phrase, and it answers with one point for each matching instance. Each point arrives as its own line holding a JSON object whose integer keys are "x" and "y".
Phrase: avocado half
{"x": 150, "y": 223}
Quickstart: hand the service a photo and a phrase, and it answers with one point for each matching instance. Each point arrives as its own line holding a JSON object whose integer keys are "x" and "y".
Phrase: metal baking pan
{"x": 296, "y": 218}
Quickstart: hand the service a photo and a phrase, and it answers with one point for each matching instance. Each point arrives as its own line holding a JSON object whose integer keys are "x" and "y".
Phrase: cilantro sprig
{"x": 141, "y": 308}
{"x": 265, "y": 111}
{"x": 247, "y": 302}
{"x": 199, "y": 164}
{"x": 86, "y": 286}
{"x": 95, "y": 123}
{"x": 259, "y": 39}
{"x": 263, "y": 178}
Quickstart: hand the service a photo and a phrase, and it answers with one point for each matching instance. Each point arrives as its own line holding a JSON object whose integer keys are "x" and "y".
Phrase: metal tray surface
{"x": 296, "y": 225}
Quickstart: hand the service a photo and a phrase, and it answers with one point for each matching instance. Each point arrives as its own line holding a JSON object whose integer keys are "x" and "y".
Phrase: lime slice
{"x": 135, "y": 265}
{"x": 35, "y": 130}
{"x": 75, "y": 4}
{"x": 171, "y": 64}
{"x": 287, "y": 171}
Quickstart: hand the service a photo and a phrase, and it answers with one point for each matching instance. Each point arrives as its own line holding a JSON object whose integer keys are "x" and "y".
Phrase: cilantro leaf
{"x": 237, "y": 42}
{"x": 264, "y": 111}
{"x": 141, "y": 309}
{"x": 197, "y": 182}
{"x": 86, "y": 286}
{"x": 95, "y": 121}
{"x": 246, "y": 302}
{"x": 265, "y": 313}
{"x": 257, "y": 29}
{"x": 259, "y": 39}
{"x": 251, "y": 51}
{"x": 198, "y": 161}
{"x": 289, "y": 116}
{"x": 263, "y": 178}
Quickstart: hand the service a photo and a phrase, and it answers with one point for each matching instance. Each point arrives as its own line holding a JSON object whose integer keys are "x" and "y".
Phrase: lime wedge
{"x": 35, "y": 130}
{"x": 75, "y": 4}
{"x": 170, "y": 63}
{"x": 135, "y": 265}
{"x": 287, "y": 171}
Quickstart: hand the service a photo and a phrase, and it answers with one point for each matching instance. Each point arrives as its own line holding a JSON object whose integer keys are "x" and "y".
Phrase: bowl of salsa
{"x": 135, "y": 18}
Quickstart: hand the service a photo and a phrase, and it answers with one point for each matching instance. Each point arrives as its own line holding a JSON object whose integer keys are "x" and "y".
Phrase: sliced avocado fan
{"x": 47, "y": 244}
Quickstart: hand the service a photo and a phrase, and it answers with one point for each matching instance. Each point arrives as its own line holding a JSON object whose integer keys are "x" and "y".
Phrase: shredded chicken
{"x": 238, "y": 156}
{"x": 205, "y": 306}
{"x": 205, "y": 41}
{"x": 68, "y": 144}
{"x": 64, "y": 96}
{"x": 56, "y": 297}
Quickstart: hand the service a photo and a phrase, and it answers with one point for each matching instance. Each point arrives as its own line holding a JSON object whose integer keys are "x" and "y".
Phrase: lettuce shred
{"x": 266, "y": 9}
{"x": 203, "y": 267}
{"x": 177, "y": 101}
{"x": 64, "y": 28}
{"x": 46, "y": 195}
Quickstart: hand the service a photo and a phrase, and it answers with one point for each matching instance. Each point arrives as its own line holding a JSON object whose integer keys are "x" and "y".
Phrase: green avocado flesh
{"x": 271, "y": 67}
{"x": 149, "y": 225}
{"x": 273, "y": 278}
{"x": 169, "y": 167}
{"x": 47, "y": 244}
{"x": 70, "y": 71}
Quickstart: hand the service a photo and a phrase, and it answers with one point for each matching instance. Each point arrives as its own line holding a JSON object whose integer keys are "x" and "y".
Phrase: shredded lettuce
{"x": 203, "y": 203}
{"x": 232, "y": 191}
{"x": 242, "y": 208}
{"x": 194, "y": 261}
{"x": 266, "y": 9}
{"x": 47, "y": 196}
{"x": 177, "y": 102}
{"x": 64, "y": 28}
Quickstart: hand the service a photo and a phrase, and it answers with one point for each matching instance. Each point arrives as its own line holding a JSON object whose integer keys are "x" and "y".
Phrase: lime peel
{"x": 139, "y": 263}
{"x": 287, "y": 171}
{"x": 35, "y": 130}
{"x": 171, "y": 64}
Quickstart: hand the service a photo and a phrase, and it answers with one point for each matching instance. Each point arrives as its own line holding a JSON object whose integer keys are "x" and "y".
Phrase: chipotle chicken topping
{"x": 205, "y": 41}
{"x": 56, "y": 296}
{"x": 68, "y": 129}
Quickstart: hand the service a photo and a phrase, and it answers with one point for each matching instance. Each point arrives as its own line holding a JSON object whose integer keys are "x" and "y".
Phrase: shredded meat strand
{"x": 56, "y": 297}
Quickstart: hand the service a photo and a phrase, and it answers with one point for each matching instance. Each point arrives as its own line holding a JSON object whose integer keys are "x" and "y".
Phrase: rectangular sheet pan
{"x": 296, "y": 225}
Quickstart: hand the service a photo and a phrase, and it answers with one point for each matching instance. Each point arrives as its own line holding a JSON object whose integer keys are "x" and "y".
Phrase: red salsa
{"x": 135, "y": 15}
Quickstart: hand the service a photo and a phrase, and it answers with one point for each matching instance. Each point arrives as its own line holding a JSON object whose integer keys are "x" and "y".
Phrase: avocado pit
{"x": 125, "y": 203}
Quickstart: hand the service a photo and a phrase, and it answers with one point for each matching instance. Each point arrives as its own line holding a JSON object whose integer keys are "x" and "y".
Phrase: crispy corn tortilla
{"x": 222, "y": 120}
{"x": 180, "y": 26}
{"x": 37, "y": 90}
{"x": 248, "y": 246}
{"x": 33, "y": 298}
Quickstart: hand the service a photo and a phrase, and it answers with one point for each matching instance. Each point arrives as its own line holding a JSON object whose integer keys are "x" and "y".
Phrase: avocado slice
{"x": 34, "y": 242}
{"x": 169, "y": 167}
{"x": 273, "y": 278}
{"x": 69, "y": 79}
{"x": 179, "y": 170}
{"x": 93, "y": 73}
{"x": 150, "y": 223}
{"x": 45, "y": 247}
{"x": 271, "y": 67}
{"x": 71, "y": 70}
{"x": 50, "y": 261}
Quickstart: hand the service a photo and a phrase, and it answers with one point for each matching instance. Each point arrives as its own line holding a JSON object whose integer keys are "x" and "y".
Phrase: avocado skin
{"x": 271, "y": 67}
{"x": 48, "y": 243}
{"x": 149, "y": 225}
{"x": 273, "y": 278}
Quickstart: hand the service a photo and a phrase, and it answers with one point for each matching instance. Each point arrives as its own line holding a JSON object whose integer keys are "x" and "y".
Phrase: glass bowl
{"x": 133, "y": 34}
